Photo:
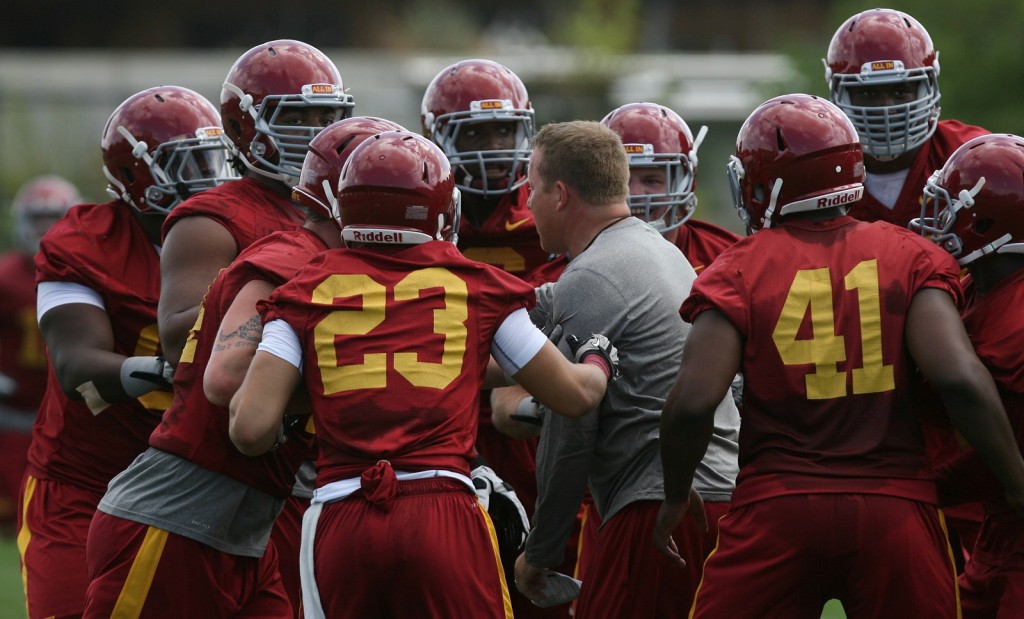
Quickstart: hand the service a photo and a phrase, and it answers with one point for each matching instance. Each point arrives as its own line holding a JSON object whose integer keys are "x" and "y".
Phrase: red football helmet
{"x": 656, "y": 137}
{"x": 328, "y": 152}
{"x": 882, "y": 47}
{"x": 472, "y": 92}
{"x": 162, "y": 145}
{"x": 974, "y": 205}
{"x": 397, "y": 188}
{"x": 38, "y": 204}
{"x": 270, "y": 80}
{"x": 794, "y": 153}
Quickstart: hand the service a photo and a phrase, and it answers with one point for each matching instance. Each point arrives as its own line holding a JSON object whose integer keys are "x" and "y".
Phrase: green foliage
{"x": 980, "y": 57}
{"x": 606, "y": 25}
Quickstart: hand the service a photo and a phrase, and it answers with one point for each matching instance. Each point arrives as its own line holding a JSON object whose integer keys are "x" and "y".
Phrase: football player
{"x": 479, "y": 113}
{"x": 276, "y": 97}
{"x": 882, "y": 70}
{"x": 98, "y": 282}
{"x": 973, "y": 208}
{"x": 191, "y": 457}
{"x": 37, "y": 205}
{"x": 391, "y": 338}
{"x": 830, "y": 318}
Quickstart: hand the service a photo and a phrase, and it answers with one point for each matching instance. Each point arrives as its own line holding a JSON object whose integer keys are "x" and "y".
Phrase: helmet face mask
{"x": 885, "y": 48}
{"x": 465, "y": 96}
{"x": 161, "y": 146}
{"x": 658, "y": 141}
{"x": 181, "y": 168}
{"x": 281, "y": 144}
{"x": 974, "y": 205}
{"x": 276, "y": 98}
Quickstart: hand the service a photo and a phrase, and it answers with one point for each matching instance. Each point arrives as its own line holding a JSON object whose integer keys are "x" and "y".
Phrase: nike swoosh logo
{"x": 510, "y": 226}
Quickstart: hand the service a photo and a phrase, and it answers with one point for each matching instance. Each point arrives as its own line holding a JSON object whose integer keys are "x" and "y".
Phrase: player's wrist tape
{"x": 140, "y": 375}
{"x": 598, "y": 360}
{"x": 92, "y": 397}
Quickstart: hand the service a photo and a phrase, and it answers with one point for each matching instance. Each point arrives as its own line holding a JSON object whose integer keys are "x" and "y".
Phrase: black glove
{"x": 506, "y": 511}
{"x": 597, "y": 344}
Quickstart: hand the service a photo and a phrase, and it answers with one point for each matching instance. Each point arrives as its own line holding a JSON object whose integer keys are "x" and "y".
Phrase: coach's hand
{"x": 528, "y": 579}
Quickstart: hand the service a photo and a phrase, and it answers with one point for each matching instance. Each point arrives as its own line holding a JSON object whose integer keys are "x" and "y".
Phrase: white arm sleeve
{"x": 516, "y": 342}
{"x": 280, "y": 340}
{"x": 51, "y": 294}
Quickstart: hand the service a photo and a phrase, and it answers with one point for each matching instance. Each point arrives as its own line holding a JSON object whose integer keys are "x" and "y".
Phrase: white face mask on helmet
{"x": 879, "y": 48}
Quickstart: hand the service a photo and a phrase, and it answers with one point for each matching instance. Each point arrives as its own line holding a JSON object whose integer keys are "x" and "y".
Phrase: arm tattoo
{"x": 249, "y": 333}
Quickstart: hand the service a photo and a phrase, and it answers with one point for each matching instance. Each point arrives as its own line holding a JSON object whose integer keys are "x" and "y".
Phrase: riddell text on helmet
{"x": 378, "y": 237}
{"x": 837, "y": 199}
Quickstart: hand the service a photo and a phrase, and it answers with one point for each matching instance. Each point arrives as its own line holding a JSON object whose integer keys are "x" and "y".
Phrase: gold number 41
{"x": 812, "y": 292}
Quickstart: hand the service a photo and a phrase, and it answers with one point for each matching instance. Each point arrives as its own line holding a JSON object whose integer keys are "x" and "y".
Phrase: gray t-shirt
{"x": 164, "y": 491}
{"x": 628, "y": 285}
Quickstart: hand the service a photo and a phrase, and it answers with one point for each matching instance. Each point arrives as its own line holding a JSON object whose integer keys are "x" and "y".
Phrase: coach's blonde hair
{"x": 585, "y": 155}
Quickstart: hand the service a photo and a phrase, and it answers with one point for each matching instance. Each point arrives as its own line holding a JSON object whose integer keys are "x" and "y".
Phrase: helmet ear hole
{"x": 758, "y": 192}
{"x": 982, "y": 226}
{"x": 781, "y": 140}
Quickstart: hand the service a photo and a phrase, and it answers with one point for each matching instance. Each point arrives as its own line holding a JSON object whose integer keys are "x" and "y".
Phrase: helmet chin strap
{"x": 776, "y": 190}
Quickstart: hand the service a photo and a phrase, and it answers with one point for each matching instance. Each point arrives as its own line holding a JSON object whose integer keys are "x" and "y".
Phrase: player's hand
{"x": 669, "y": 517}
{"x": 140, "y": 375}
{"x": 505, "y": 509}
{"x": 291, "y": 425}
{"x": 597, "y": 344}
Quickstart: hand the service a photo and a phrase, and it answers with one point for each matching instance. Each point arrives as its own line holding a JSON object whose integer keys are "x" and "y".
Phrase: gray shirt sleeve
{"x": 564, "y": 454}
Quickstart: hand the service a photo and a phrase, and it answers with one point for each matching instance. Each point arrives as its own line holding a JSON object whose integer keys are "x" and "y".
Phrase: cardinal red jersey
{"x": 507, "y": 239}
{"x": 194, "y": 428}
{"x": 995, "y": 324}
{"x": 948, "y": 136}
{"x": 102, "y": 247}
{"x": 827, "y": 402}
{"x": 23, "y": 361}
{"x": 248, "y": 210}
{"x": 22, "y": 351}
{"x": 395, "y": 351}
{"x": 701, "y": 242}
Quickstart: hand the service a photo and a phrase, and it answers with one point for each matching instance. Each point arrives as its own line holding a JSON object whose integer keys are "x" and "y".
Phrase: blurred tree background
{"x": 980, "y": 55}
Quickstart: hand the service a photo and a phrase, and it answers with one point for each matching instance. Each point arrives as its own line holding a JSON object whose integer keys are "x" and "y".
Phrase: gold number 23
{"x": 812, "y": 292}
{"x": 449, "y": 321}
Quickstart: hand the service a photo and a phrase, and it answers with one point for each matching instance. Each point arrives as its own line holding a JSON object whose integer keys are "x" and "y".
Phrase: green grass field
{"x": 12, "y": 603}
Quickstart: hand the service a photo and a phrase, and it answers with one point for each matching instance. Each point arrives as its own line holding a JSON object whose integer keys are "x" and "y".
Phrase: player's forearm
{"x": 174, "y": 330}
{"x": 684, "y": 440}
{"x": 977, "y": 412}
{"x": 249, "y": 428}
